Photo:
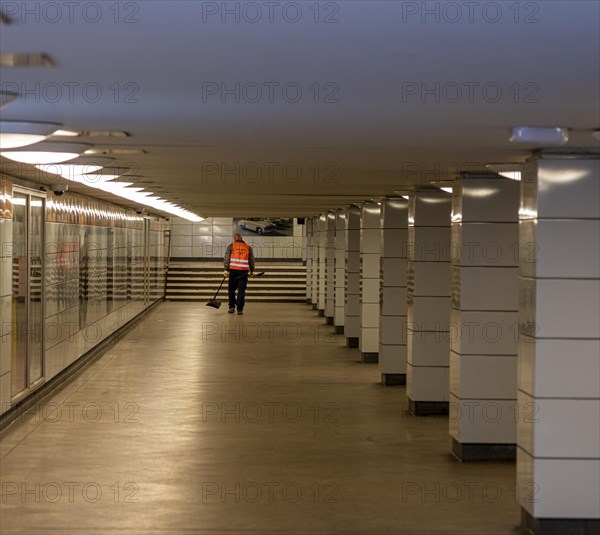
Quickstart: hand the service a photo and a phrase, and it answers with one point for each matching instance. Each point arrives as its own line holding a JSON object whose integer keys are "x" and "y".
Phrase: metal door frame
{"x": 31, "y": 386}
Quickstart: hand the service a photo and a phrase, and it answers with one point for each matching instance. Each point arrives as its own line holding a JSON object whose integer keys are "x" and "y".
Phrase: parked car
{"x": 259, "y": 226}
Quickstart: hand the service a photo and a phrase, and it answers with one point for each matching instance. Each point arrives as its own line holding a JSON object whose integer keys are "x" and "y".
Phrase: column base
{"x": 352, "y": 342}
{"x": 369, "y": 358}
{"x": 339, "y": 329}
{"x": 484, "y": 452}
{"x": 428, "y": 408}
{"x": 559, "y": 526}
{"x": 329, "y": 320}
{"x": 314, "y": 305}
{"x": 321, "y": 313}
{"x": 309, "y": 301}
{"x": 393, "y": 379}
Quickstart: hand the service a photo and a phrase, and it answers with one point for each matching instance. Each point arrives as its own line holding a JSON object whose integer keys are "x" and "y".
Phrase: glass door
{"x": 28, "y": 281}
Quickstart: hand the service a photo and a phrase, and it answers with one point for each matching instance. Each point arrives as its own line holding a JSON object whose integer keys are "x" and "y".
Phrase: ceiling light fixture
{"x": 16, "y": 134}
{"x": 447, "y": 190}
{"x": 66, "y": 133}
{"x": 507, "y": 170}
{"x": 145, "y": 198}
{"x": 26, "y": 60}
{"x": 540, "y": 135}
{"x": 46, "y": 152}
{"x": 104, "y": 133}
{"x": 115, "y": 152}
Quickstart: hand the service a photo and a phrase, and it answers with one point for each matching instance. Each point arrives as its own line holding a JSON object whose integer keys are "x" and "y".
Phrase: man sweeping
{"x": 239, "y": 262}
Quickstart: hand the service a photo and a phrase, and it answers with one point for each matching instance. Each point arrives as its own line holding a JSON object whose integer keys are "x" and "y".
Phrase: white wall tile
{"x": 482, "y": 421}
{"x": 427, "y": 383}
{"x": 483, "y": 377}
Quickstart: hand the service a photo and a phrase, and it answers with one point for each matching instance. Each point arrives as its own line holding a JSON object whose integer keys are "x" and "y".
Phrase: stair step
{"x": 198, "y": 281}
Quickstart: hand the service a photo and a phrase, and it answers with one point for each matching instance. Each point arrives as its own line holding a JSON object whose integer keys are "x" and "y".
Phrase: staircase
{"x": 198, "y": 281}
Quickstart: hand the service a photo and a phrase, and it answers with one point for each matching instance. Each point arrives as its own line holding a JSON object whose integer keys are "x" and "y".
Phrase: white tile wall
{"x": 427, "y": 383}
{"x": 428, "y": 296}
{"x": 483, "y": 377}
{"x": 558, "y": 488}
{"x": 570, "y": 368}
{"x": 322, "y": 240}
{"x": 489, "y": 421}
{"x": 309, "y": 258}
{"x": 370, "y": 246}
{"x": 352, "y": 308}
{"x": 340, "y": 268}
{"x": 485, "y": 300}
{"x": 559, "y": 449}
{"x": 209, "y": 239}
{"x": 330, "y": 265}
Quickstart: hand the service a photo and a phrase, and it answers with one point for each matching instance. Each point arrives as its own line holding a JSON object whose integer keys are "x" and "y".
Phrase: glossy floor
{"x": 204, "y": 422}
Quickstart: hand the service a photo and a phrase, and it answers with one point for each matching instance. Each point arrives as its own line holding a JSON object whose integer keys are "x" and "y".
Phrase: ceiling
{"x": 367, "y": 131}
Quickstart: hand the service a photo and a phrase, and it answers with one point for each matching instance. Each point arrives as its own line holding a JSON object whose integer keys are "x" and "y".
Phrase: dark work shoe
{"x": 240, "y": 312}
{"x": 231, "y": 310}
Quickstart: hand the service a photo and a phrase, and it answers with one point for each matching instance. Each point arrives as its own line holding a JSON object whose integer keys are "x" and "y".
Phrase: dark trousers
{"x": 237, "y": 281}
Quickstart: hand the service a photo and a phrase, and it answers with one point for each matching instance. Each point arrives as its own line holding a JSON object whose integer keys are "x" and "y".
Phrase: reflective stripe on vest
{"x": 240, "y": 256}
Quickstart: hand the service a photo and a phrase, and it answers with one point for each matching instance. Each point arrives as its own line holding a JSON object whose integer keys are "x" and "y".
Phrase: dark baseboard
{"x": 559, "y": 526}
{"x": 393, "y": 379}
{"x": 369, "y": 358}
{"x": 352, "y": 342}
{"x": 428, "y": 408}
{"x": 484, "y": 452}
{"x": 339, "y": 329}
{"x": 63, "y": 376}
{"x": 321, "y": 313}
{"x": 309, "y": 301}
{"x": 328, "y": 321}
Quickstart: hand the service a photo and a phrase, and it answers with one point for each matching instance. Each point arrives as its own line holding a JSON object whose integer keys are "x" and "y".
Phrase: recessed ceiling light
{"x": 104, "y": 133}
{"x": 115, "y": 152}
{"x": 66, "y": 133}
{"x": 6, "y": 97}
{"x": 16, "y": 134}
{"x": 540, "y": 135}
{"x": 447, "y": 190}
{"x": 46, "y": 152}
{"x": 83, "y": 170}
{"x": 507, "y": 170}
{"x": 26, "y": 60}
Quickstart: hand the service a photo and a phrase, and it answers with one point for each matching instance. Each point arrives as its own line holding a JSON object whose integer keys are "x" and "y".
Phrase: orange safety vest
{"x": 240, "y": 255}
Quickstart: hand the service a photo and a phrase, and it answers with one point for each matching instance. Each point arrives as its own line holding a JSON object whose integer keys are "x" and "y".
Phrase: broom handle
{"x": 222, "y": 282}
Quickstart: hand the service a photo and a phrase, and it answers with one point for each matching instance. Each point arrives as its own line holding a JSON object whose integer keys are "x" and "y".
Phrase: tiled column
{"x": 314, "y": 285}
{"x": 558, "y": 435}
{"x": 392, "y": 311}
{"x": 352, "y": 308}
{"x": 370, "y": 244}
{"x": 484, "y": 316}
{"x": 330, "y": 268}
{"x": 309, "y": 259}
{"x": 340, "y": 271}
{"x": 6, "y": 293}
{"x": 322, "y": 263}
{"x": 428, "y": 298}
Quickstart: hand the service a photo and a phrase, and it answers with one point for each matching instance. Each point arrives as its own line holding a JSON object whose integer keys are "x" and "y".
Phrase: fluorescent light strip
{"x": 145, "y": 198}
{"x": 73, "y": 173}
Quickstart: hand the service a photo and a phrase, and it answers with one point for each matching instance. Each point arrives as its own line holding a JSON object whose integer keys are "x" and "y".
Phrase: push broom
{"x": 214, "y": 302}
